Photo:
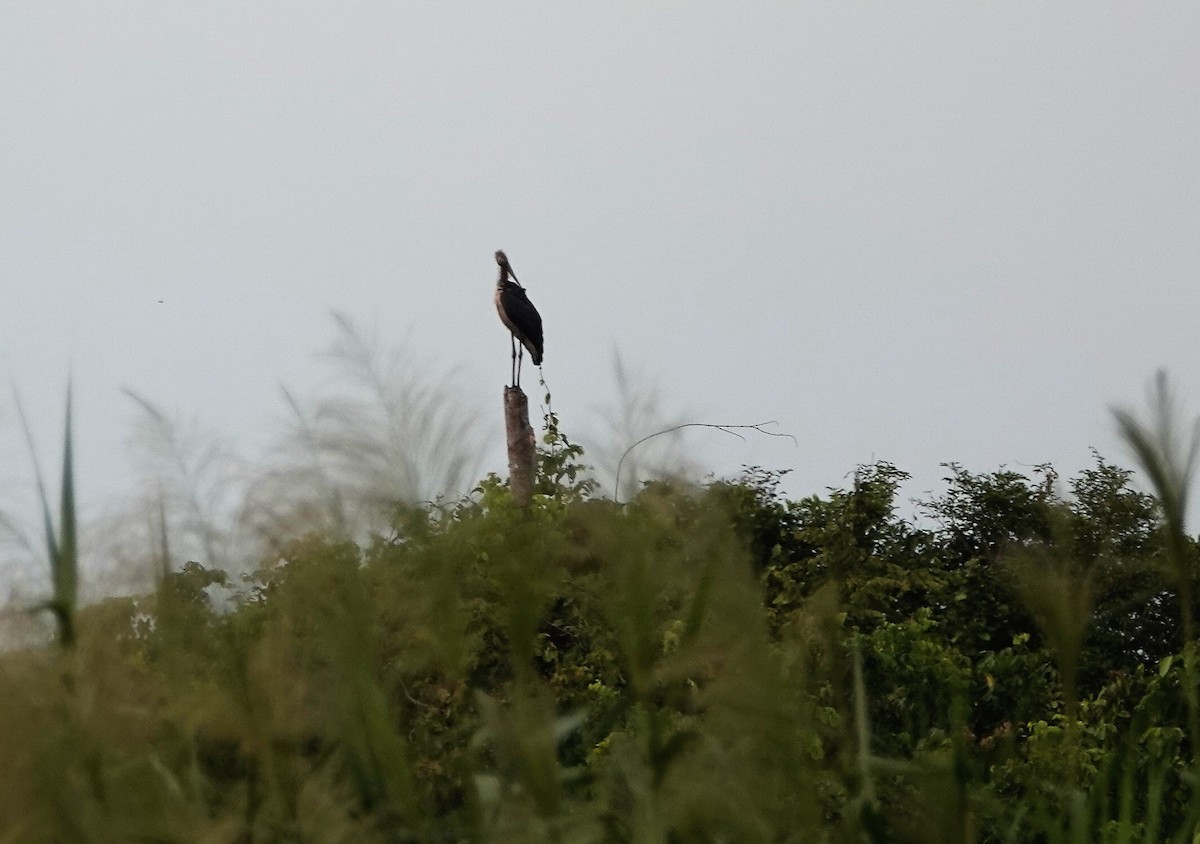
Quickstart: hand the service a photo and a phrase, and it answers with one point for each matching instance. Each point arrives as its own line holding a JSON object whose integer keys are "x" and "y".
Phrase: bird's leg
{"x": 512, "y": 371}
{"x": 520, "y": 357}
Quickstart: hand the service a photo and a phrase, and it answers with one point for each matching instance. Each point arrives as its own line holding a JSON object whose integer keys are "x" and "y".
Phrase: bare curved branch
{"x": 728, "y": 429}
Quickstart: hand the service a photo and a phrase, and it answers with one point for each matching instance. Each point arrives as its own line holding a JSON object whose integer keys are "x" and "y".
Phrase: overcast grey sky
{"x": 914, "y": 232}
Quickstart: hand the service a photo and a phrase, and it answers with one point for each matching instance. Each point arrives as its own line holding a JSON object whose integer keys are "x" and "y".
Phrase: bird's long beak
{"x": 505, "y": 267}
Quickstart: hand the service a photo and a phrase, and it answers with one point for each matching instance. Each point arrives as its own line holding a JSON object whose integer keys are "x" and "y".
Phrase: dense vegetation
{"x": 699, "y": 664}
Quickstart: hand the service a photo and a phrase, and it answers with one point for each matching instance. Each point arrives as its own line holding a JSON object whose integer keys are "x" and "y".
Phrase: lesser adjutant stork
{"x": 520, "y": 316}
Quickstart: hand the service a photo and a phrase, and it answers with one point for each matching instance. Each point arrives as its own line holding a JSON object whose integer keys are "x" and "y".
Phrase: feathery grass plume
{"x": 61, "y": 543}
{"x": 390, "y": 432}
{"x": 192, "y": 487}
{"x": 636, "y": 411}
{"x": 1166, "y": 451}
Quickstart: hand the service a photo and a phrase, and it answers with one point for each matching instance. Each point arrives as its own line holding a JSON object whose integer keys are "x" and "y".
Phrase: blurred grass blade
{"x": 66, "y": 569}
{"x": 1167, "y": 452}
{"x": 61, "y": 545}
{"x": 164, "y": 544}
{"x": 1164, "y": 451}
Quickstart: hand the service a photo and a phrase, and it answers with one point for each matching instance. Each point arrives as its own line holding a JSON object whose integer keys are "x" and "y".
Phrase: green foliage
{"x": 701, "y": 664}
{"x": 561, "y": 471}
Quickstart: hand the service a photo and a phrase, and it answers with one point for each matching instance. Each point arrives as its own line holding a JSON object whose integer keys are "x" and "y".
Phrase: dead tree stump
{"x": 522, "y": 447}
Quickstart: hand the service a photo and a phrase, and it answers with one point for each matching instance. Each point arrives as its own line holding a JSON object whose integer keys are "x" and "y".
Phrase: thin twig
{"x": 728, "y": 429}
{"x": 412, "y": 699}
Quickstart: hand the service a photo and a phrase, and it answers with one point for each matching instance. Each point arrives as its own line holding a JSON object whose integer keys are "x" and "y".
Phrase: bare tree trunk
{"x": 522, "y": 450}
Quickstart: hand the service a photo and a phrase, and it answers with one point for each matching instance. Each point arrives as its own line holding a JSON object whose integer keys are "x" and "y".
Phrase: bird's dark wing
{"x": 523, "y": 318}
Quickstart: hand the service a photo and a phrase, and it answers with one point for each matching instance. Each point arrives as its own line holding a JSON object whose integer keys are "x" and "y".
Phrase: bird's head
{"x": 501, "y": 258}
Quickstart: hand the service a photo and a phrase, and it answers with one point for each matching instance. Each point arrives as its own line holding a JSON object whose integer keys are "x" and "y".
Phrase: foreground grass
{"x": 713, "y": 664}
